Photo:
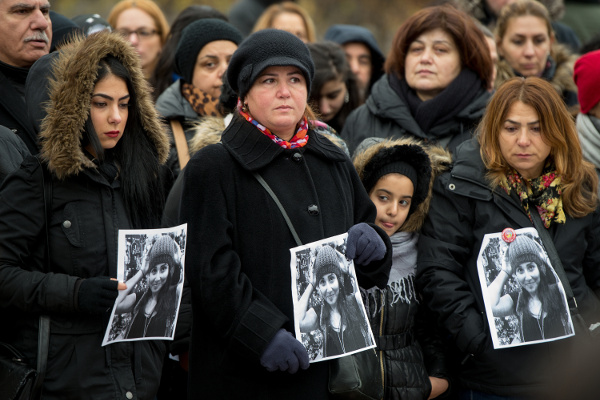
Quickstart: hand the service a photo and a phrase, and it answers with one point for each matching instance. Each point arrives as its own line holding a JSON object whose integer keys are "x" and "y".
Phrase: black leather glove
{"x": 364, "y": 245}
{"x": 96, "y": 295}
{"x": 284, "y": 353}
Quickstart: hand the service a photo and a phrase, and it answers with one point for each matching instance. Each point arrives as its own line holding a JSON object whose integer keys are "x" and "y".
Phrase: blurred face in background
{"x": 359, "y": 58}
{"x": 139, "y": 28}
{"x": 332, "y": 98}
{"x": 292, "y": 23}
{"x": 432, "y": 63}
{"x": 25, "y": 31}
{"x": 211, "y": 64}
{"x": 526, "y": 45}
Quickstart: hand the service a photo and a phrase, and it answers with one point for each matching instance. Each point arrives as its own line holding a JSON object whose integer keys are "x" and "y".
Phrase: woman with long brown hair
{"x": 526, "y": 160}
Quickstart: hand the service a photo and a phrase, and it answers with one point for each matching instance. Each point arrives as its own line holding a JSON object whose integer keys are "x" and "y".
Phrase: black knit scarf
{"x": 443, "y": 107}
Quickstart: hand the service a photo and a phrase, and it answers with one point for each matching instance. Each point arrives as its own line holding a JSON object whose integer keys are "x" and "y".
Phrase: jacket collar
{"x": 385, "y": 103}
{"x": 253, "y": 150}
{"x": 468, "y": 178}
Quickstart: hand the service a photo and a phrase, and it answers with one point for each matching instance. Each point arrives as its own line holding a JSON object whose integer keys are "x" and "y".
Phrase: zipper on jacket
{"x": 381, "y": 366}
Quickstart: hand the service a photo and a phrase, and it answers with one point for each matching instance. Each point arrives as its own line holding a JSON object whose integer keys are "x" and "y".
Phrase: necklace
{"x": 540, "y": 321}
{"x": 147, "y": 322}
{"x": 340, "y": 336}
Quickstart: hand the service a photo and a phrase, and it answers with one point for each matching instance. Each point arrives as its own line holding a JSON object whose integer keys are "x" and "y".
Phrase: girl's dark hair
{"x": 331, "y": 64}
{"x": 140, "y": 179}
{"x": 162, "y": 77}
{"x": 550, "y": 304}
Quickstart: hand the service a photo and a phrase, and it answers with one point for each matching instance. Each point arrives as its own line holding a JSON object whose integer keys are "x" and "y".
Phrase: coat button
{"x": 297, "y": 157}
{"x": 67, "y": 224}
{"x": 451, "y": 186}
{"x": 313, "y": 209}
{"x": 129, "y": 395}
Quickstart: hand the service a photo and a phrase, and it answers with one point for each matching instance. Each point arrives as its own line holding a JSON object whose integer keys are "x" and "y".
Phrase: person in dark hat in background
{"x": 398, "y": 175}
{"x": 153, "y": 311}
{"x": 63, "y": 30}
{"x": 24, "y": 40}
{"x": 164, "y": 72}
{"x": 363, "y": 53}
{"x": 91, "y": 23}
{"x": 238, "y": 259}
{"x": 587, "y": 79}
{"x": 539, "y": 303}
{"x": 201, "y": 59}
{"x": 339, "y": 316}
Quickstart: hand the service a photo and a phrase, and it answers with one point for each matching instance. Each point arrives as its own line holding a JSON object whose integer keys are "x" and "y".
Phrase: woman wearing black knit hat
{"x": 238, "y": 238}
{"x": 201, "y": 59}
{"x": 153, "y": 311}
{"x": 339, "y": 317}
{"x": 538, "y": 303}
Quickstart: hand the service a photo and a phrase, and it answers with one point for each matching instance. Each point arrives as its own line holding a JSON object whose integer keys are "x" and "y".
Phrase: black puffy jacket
{"x": 463, "y": 210}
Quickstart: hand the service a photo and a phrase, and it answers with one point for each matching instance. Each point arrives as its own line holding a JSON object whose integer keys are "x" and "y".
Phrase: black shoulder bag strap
{"x": 265, "y": 185}
{"x": 44, "y": 324}
{"x": 558, "y": 267}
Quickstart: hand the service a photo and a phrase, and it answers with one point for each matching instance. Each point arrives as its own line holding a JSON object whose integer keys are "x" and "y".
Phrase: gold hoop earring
{"x": 245, "y": 107}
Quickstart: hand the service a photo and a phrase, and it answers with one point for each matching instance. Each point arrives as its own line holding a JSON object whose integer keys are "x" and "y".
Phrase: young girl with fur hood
{"x": 397, "y": 175}
{"x": 101, "y": 149}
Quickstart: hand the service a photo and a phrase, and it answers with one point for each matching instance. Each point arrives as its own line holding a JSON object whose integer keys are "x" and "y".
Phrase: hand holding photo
{"x": 151, "y": 275}
{"x": 330, "y": 318}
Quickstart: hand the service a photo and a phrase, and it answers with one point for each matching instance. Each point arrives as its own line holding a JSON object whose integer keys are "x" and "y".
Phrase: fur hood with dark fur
{"x": 562, "y": 80}
{"x": 74, "y": 73}
{"x": 439, "y": 158}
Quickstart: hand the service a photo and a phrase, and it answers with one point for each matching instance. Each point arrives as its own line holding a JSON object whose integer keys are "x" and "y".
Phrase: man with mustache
{"x": 26, "y": 33}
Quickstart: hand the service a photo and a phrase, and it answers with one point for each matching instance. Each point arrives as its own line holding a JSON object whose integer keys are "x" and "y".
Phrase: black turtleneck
{"x": 17, "y": 76}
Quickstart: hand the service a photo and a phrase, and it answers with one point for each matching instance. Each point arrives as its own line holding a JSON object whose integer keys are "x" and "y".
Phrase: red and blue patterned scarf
{"x": 299, "y": 140}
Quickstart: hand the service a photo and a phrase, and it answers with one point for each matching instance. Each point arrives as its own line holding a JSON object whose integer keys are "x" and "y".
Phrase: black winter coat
{"x": 385, "y": 115}
{"x": 87, "y": 211}
{"x": 238, "y": 259}
{"x": 463, "y": 210}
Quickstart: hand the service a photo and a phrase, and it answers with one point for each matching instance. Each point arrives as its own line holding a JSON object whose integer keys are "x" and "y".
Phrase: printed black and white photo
{"x": 330, "y": 317}
{"x": 151, "y": 264}
{"x": 524, "y": 298}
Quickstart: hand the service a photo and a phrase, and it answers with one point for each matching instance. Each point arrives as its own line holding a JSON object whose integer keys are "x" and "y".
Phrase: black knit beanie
{"x": 268, "y": 48}
{"x": 326, "y": 262}
{"x": 524, "y": 249}
{"x": 162, "y": 251}
{"x": 197, "y": 35}
{"x": 409, "y": 160}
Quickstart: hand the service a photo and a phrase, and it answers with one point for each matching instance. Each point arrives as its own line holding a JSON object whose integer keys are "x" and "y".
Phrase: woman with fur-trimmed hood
{"x": 102, "y": 146}
{"x": 398, "y": 176}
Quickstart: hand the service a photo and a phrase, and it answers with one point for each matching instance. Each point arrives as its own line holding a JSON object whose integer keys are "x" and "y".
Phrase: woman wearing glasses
{"x": 144, "y": 25}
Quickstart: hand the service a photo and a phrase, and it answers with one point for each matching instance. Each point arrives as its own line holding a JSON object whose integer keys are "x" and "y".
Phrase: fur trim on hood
{"x": 207, "y": 131}
{"x": 562, "y": 80}
{"x": 439, "y": 157}
{"x": 74, "y": 73}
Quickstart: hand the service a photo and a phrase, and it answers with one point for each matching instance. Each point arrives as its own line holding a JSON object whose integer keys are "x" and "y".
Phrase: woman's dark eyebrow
{"x": 107, "y": 97}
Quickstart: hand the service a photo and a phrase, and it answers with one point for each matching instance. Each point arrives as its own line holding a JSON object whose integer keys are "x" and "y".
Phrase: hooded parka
{"x": 87, "y": 210}
{"x": 238, "y": 259}
{"x": 407, "y": 339}
{"x": 385, "y": 115}
{"x": 463, "y": 210}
